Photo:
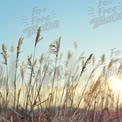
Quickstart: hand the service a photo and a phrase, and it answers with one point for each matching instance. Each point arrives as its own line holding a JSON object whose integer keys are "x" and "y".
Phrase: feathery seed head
{"x": 38, "y": 36}
{"x": 4, "y": 53}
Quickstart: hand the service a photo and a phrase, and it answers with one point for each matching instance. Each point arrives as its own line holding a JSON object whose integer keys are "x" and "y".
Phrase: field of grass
{"x": 53, "y": 89}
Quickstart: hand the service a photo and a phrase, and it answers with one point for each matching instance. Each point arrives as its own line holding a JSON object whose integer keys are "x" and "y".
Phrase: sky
{"x": 95, "y": 25}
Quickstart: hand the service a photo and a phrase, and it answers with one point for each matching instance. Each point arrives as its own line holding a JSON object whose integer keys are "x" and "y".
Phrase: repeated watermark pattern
{"x": 105, "y": 11}
{"x": 40, "y": 17}
{"x": 115, "y": 54}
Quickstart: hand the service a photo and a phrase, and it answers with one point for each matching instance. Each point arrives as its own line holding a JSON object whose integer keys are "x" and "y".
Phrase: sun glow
{"x": 116, "y": 84}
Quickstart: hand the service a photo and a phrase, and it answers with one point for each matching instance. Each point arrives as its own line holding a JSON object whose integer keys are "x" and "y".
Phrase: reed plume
{"x": 38, "y": 36}
{"x": 4, "y": 53}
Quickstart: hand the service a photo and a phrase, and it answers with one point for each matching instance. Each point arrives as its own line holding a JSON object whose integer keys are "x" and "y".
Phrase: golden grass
{"x": 54, "y": 92}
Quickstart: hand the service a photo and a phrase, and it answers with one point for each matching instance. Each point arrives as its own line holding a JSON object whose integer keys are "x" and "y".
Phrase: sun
{"x": 116, "y": 84}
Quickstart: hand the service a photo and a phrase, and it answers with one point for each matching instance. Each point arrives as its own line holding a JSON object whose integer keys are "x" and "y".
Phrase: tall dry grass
{"x": 54, "y": 90}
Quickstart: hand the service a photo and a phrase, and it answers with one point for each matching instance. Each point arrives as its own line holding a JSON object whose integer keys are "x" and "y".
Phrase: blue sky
{"x": 74, "y": 18}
